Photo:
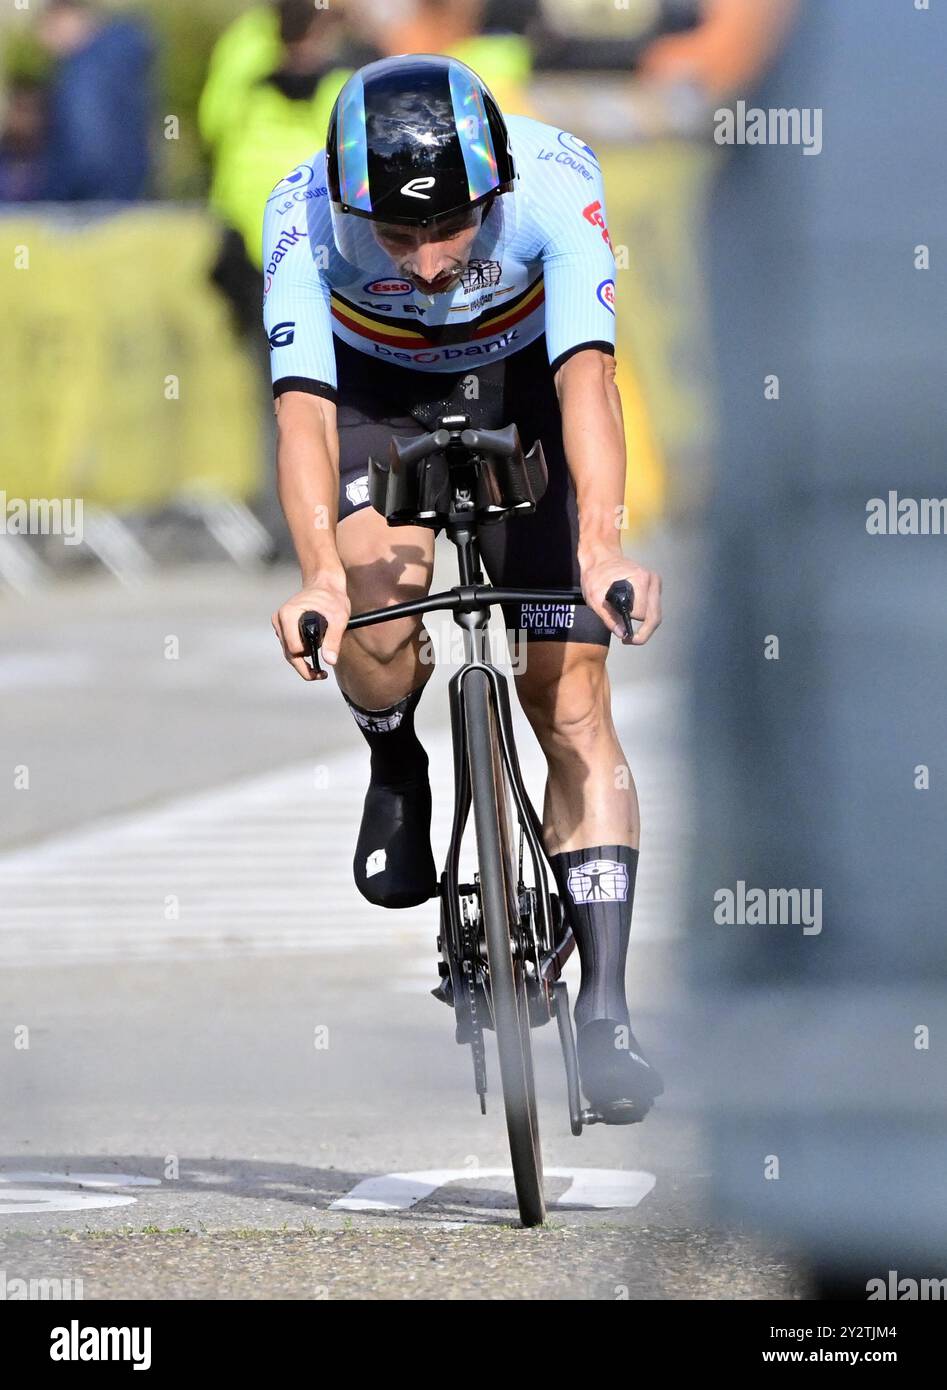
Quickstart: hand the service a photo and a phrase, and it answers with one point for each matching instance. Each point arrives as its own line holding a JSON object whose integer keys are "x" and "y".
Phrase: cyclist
{"x": 438, "y": 259}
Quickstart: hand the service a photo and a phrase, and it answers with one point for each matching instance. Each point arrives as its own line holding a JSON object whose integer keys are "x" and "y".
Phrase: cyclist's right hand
{"x": 327, "y": 595}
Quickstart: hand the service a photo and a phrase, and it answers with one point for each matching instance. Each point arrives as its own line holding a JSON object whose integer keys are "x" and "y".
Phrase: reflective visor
{"x": 353, "y": 148}
{"x": 441, "y": 131}
{"x": 473, "y": 131}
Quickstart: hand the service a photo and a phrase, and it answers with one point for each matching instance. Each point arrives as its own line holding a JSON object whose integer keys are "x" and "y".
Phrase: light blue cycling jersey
{"x": 541, "y": 263}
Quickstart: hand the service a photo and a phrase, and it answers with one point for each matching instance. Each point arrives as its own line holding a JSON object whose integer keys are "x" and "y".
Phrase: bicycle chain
{"x": 469, "y": 966}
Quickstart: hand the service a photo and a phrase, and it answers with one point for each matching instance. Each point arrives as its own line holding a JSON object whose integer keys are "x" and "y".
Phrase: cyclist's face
{"x": 432, "y": 258}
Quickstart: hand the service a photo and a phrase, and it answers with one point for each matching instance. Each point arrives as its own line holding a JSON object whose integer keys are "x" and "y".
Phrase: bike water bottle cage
{"x": 457, "y": 474}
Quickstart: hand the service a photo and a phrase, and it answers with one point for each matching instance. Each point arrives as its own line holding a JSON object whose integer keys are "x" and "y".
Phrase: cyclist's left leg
{"x": 591, "y": 810}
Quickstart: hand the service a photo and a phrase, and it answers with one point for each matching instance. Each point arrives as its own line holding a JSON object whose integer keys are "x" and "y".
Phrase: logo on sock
{"x": 375, "y": 863}
{"x": 598, "y": 881}
{"x": 378, "y": 724}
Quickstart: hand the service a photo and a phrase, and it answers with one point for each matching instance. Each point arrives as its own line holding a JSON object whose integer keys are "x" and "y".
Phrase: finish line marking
{"x": 599, "y": 1188}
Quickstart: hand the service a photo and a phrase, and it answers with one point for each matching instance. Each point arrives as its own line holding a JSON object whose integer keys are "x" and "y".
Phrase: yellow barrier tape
{"x": 654, "y": 193}
{"x": 123, "y": 382}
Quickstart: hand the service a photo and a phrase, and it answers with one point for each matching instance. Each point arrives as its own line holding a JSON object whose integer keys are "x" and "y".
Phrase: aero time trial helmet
{"x": 411, "y": 140}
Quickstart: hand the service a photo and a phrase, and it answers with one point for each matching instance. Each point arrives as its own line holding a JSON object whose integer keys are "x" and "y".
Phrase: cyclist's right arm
{"x": 299, "y": 327}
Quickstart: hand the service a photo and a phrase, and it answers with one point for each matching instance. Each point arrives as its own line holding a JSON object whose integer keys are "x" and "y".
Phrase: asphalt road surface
{"x": 223, "y": 1073}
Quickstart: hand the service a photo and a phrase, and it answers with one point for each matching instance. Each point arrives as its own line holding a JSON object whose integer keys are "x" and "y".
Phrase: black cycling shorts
{"x": 377, "y": 400}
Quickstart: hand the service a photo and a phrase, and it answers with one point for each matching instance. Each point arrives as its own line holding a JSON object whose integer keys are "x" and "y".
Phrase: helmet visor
{"x": 394, "y": 251}
{"x": 414, "y": 154}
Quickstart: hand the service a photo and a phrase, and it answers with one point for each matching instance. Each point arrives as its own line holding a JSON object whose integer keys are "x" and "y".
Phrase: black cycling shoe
{"x": 619, "y": 1083}
{"x": 393, "y": 864}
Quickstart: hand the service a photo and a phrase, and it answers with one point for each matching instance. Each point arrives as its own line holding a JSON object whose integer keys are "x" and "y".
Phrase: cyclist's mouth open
{"x": 439, "y": 285}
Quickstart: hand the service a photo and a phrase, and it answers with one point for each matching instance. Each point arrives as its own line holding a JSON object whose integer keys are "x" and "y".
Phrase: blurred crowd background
{"x": 781, "y": 354}
{"x": 138, "y": 144}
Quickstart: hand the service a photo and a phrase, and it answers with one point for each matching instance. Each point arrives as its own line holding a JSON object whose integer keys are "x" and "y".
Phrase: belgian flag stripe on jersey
{"x": 380, "y": 328}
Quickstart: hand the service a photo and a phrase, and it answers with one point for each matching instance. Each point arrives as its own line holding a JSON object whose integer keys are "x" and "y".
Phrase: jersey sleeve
{"x": 578, "y": 266}
{"x": 296, "y": 308}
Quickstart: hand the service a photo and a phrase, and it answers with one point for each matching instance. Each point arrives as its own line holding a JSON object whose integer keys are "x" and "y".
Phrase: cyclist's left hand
{"x": 599, "y": 573}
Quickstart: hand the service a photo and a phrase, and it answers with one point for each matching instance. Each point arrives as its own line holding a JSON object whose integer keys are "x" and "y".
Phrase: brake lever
{"x": 312, "y": 630}
{"x": 621, "y": 597}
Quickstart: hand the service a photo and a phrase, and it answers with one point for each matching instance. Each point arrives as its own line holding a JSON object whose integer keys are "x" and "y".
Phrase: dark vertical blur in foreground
{"x": 825, "y": 768}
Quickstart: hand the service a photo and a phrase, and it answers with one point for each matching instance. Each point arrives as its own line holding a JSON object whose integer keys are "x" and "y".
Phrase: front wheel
{"x": 507, "y": 976}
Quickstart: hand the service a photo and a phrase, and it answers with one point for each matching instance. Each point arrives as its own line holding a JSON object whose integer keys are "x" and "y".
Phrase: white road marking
{"x": 18, "y": 1200}
{"x": 79, "y": 1179}
{"x": 601, "y": 1188}
{"x": 263, "y": 866}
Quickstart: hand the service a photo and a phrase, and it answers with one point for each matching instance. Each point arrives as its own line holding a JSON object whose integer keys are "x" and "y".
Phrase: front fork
{"x": 549, "y": 943}
{"x": 544, "y": 938}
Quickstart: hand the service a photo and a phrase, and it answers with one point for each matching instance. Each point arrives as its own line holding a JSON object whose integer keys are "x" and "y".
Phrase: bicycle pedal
{"x": 444, "y": 992}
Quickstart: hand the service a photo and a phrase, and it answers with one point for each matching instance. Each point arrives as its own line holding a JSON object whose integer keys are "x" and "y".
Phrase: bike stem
{"x": 470, "y": 601}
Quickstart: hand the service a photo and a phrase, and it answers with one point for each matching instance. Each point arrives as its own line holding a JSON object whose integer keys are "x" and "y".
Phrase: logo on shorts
{"x": 357, "y": 491}
{"x": 547, "y": 618}
{"x": 606, "y": 293}
{"x": 389, "y": 287}
{"x": 598, "y": 881}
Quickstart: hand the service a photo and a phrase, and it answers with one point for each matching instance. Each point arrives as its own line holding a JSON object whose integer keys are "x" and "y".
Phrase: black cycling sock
{"x": 397, "y": 754}
{"x": 393, "y": 864}
{"x": 597, "y": 890}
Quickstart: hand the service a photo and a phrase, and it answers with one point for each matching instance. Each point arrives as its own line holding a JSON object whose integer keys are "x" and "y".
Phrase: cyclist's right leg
{"x": 380, "y": 669}
{"x": 381, "y": 674}
{"x": 380, "y": 665}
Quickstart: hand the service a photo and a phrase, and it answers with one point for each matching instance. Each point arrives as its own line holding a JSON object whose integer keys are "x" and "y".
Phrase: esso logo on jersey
{"x": 389, "y": 287}
{"x": 299, "y": 178}
{"x": 577, "y": 146}
{"x": 606, "y": 294}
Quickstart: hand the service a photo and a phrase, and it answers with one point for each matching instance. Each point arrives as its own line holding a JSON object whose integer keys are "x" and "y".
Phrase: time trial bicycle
{"x": 503, "y": 939}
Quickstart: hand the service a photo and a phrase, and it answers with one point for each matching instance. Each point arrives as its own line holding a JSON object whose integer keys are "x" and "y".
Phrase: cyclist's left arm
{"x": 579, "y": 274}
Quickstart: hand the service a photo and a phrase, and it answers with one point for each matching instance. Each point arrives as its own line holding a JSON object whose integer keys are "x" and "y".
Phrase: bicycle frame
{"x": 470, "y": 602}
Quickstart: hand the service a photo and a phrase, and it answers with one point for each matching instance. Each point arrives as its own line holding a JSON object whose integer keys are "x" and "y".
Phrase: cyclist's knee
{"x": 385, "y": 643}
{"x": 376, "y": 586}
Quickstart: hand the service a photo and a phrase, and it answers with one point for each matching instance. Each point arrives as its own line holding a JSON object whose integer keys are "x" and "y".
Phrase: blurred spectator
{"x": 100, "y": 103}
{"x": 732, "y": 44}
{"x": 502, "y": 58}
{"x": 603, "y": 35}
{"x": 821, "y": 677}
{"x": 24, "y": 174}
{"x": 274, "y": 76}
